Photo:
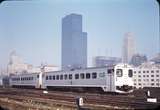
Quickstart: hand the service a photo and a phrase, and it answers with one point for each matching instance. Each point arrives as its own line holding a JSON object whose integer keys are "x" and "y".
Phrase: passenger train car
{"x": 115, "y": 78}
{"x": 26, "y": 80}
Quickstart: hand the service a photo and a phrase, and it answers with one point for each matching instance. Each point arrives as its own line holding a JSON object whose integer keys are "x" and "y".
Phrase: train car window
{"x": 37, "y": 76}
{"x": 50, "y": 77}
{"x": 130, "y": 73}
{"x": 88, "y": 75}
{"x": 70, "y": 76}
{"x": 46, "y": 77}
{"x": 102, "y": 74}
{"x": 61, "y": 77}
{"x": 57, "y": 77}
{"x": 110, "y": 71}
{"x": 82, "y": 75}
{"x": 94, "y": 75}
{"x": 76, "y": 76}
{"x": 53, "y": 77}
{"x": 65, "y": 76}
{"x": 119, "y": 72}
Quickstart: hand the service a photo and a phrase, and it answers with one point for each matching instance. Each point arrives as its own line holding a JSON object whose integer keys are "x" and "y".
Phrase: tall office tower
{"x": 128, "y": 48}
{"x": 74, "y": 43}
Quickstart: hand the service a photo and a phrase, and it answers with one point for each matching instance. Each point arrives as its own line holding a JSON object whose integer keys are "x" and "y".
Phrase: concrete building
{"x": 147, "y": 75}
{"x": 138, "y": 59}
{"x": 101, "y": 61}
{"x": 16, "y": 64}
{"x": 156, "y": 59}
{"x": 74, "y": 43}
{"x": 128, "y": 48}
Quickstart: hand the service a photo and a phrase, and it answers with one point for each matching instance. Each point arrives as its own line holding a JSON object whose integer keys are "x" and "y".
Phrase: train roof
{"x": 88, "y": 68}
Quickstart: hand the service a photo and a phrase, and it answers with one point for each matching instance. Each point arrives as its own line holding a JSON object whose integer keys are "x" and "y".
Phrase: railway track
{"x": 68, "y": 99}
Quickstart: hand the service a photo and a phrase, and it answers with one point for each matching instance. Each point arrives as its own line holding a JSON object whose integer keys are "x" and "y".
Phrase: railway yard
{"x": 31, "y": 99}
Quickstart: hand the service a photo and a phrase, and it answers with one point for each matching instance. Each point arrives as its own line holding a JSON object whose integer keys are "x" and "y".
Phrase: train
{"x": 114, "y": 78}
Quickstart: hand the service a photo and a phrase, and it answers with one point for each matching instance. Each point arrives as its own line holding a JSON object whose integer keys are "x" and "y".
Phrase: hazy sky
{"x": 33, "y": 27}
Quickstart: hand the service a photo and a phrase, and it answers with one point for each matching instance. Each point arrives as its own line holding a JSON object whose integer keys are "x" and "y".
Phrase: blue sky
{"x": 33, "y": 27}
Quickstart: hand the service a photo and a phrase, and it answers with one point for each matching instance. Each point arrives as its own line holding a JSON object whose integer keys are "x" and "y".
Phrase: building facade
{"x": 147, "y": 75}
{"x": 128, "y": 48}
{"x": 138, "y": 59}
{"x": 16, "y": 64}
{"x": 101, "y": 61}
{"x": 156, "y": 58}
{"x": 74, "y": 43}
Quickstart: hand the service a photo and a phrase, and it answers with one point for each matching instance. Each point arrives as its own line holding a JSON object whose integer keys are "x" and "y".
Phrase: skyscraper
{"x": 128, "y": 48}
{"x": 74, "y": 42}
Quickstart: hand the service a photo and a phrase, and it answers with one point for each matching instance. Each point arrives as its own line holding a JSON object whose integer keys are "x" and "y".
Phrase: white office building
{"x": 147, "y": 75}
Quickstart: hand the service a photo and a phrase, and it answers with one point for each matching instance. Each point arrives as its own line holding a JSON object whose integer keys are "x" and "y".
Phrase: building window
{"x": 152, "y": 75}
{"x": 82, "y": 75}
{"x": 76, "y": 76}
{"x": 88, "y": 76}
{"x": 139, "y": 71}
{"x": 144, "y": 79}
{"x": 147, "y": 75}
{"x": 143, "y": 71}
{"x": 152, "y": 84}
{"x": 157, "y": 79}
{"x": 139, "y": 83}
{"x": 147, "y": 71}
{"x": 139, "y": 79}
{"x": 157, "y": 84}
{"x": 135, "y": 80}
{"x": 157, "y": 75}
{"x": 94, "y": 75}
{"x": 157, "y": 71}
{"x": 135, "y": 72}
{"x": 143, "y": 75}
{"x": 147, "y": 79}
{"x": 152, "y": 79}
{"x": 139, "y": 75}
{"x": 134, "y": 83}
{"x": 152, "y": 71}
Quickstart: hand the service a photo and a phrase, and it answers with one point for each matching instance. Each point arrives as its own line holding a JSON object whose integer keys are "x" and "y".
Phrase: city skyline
{"x": 33, "y": 28}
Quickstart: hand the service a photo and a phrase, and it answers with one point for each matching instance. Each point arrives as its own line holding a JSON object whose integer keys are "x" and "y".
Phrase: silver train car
{"x": 115, "y": 78}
